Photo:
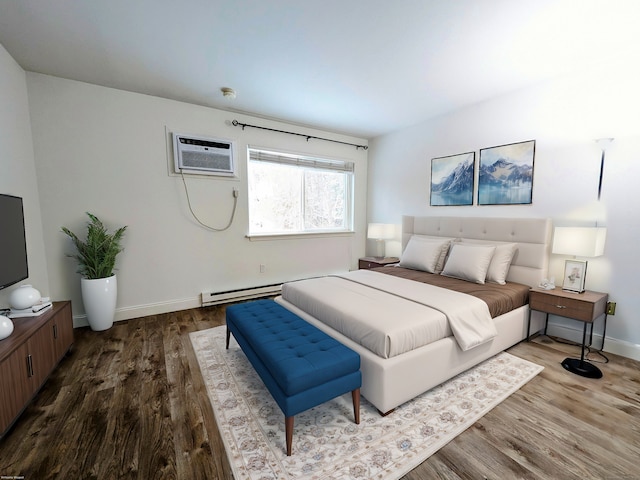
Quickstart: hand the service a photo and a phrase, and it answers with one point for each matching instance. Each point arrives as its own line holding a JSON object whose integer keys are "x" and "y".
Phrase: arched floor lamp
{"x": 604, "y": 143}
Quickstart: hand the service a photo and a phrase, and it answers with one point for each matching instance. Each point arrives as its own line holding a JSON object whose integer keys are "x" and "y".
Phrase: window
{"x": 295, "y": 194}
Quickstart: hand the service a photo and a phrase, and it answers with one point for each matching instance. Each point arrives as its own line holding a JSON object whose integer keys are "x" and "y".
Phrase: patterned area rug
{"x": 327, "y": 443}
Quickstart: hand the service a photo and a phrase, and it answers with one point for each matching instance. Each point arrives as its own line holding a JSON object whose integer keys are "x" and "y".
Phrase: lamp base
{"x": 582, "y": 368}
{"x": 380, "y": 247}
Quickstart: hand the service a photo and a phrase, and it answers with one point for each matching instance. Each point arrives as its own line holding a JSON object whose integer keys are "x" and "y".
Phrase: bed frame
{"x": 390, "y": 382}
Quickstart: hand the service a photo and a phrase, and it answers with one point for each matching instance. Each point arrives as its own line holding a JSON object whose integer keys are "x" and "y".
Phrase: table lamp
{"x": 579, "y": 242}
{"x": 380, "y": 232}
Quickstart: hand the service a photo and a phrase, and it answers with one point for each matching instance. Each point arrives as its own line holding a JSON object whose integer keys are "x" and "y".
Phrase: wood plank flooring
{"x": 130, "y": 403}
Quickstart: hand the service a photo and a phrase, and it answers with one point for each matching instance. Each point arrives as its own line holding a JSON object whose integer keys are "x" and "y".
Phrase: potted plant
{"x": 96, "y": 257}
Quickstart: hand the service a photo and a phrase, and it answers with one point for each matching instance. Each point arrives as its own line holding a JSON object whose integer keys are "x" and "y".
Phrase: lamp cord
{"x": 597, "y": 352}
{"x": 233, "y": 212}
{"x": 588, "y": 349}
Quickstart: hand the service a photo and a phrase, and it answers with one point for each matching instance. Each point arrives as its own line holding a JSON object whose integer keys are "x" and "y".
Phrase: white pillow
{"x": 443, "y": 253}
{"x": 469, "y": 262}
{"x": 423, "y": 254}
{"x": 500, "y": 262}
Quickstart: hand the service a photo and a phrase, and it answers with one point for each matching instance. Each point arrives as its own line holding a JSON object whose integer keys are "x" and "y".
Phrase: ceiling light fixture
{"x": 228, "y": 92}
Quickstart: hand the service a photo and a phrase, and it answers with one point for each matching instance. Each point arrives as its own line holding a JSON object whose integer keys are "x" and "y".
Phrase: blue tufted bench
{"x": 300, "y": 365}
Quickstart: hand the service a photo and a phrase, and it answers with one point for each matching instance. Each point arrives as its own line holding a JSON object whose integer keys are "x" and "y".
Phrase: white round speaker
{"x": 6, "y": 327}
{"x": 23, "y": 297}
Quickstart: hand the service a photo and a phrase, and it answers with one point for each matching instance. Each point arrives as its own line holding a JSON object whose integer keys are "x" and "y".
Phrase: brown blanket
{"x": 500, "y": 298}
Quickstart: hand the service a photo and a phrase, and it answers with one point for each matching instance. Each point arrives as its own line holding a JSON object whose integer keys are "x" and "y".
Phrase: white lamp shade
{"x": 381, "y": 231}
{"x": 579, "y": 241}
{"x": 604, "y": 143}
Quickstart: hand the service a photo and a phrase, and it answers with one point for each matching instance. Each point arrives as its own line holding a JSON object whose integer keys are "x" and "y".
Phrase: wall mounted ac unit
{"x": 205, "y": 156}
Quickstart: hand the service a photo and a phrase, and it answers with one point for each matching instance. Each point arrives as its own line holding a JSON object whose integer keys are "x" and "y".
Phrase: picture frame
{"x": 453, "y": 180}
{"x": 506, "y": 174}
{"x": 575, "y": 272}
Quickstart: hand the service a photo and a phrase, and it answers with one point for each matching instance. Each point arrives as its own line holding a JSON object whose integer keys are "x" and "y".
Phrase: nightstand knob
{"x": 561, "y": 306}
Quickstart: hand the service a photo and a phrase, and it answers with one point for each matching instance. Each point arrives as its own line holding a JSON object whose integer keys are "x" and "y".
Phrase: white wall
{"x": 564, "y": 117}
{"x": 105, "y": 151}
{"x": 17, "y": 168}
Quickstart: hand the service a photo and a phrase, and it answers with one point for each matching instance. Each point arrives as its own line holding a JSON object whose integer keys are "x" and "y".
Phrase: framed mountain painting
{"x": 505, "y": 174}
{"x": 452, "y": 179}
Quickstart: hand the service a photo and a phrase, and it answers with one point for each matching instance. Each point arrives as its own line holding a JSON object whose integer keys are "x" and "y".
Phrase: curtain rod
{"x": 235, "y": 123}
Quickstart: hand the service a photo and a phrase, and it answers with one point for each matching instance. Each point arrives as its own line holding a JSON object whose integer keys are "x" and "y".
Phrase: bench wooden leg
{"x": 228, "y": 337}
{"x": 355, "y": 395}
{"x": 288, "y": 429}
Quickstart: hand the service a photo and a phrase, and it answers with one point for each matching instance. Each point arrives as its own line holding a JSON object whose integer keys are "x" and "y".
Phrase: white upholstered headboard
{"x": 533, "y": 236}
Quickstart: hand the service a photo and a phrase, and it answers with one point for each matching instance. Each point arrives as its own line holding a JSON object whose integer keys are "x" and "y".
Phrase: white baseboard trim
{"x": 145, "y": 310}
{"x": 611, "y": 345}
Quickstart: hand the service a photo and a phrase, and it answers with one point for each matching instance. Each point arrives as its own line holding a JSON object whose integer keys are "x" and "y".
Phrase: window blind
{"x": 300, "y": 161}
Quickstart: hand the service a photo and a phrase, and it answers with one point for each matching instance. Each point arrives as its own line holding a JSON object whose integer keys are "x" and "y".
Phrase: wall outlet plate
{"x": 611, "y": 308}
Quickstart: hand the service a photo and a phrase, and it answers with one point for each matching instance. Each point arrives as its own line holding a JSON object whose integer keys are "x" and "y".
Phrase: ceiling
{"x": 360, "y": 67}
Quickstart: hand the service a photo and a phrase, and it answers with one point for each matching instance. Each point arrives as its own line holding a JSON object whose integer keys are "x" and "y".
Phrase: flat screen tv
{"x": 13, "y": 245}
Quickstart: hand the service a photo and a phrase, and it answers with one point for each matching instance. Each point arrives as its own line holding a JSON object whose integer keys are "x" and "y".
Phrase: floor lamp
{"x": 603, "y": 143}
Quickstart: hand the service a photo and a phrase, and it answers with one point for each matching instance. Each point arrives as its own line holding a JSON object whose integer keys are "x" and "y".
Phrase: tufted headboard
{"x": 533, "y": 236}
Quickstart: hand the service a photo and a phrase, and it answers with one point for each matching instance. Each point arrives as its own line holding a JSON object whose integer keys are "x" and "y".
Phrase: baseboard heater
{"x": 216, "y": 298}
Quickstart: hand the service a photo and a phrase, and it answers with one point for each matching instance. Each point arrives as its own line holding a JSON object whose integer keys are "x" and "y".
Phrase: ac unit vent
{"x": 201, "y": 155}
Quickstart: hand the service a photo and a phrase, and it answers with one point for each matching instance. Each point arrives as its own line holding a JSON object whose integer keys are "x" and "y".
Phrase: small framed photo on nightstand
{"x": 574, "y": 273}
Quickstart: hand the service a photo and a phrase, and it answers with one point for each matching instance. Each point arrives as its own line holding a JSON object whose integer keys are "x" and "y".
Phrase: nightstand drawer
{"x": 374, "y": 262}
{"x": 575, "y": 308}
{"x": 367, "y": 264}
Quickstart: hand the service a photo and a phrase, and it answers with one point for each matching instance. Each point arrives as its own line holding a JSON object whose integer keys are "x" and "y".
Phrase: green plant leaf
{"x": 96, "y": 256}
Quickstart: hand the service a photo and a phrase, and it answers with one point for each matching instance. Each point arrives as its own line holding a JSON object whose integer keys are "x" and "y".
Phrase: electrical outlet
{"x": 611, "y": 308}
{"x": 263, "y": 268}
{"x": 235, "y": 192}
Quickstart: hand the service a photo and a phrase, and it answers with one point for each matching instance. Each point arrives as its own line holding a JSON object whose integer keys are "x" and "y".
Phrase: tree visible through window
{"x": 296, "y": 194}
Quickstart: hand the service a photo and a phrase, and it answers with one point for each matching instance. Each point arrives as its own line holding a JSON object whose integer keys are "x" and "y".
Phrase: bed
{"x": 450, "y": 268}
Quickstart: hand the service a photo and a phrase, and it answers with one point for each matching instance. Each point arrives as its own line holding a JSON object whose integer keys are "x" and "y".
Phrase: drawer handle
{"x": 29, "y": 365}
{"x": 561, "y": 306}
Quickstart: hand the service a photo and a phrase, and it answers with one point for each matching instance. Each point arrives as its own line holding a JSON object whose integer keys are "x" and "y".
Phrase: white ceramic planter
{"x": 99, "y": 297}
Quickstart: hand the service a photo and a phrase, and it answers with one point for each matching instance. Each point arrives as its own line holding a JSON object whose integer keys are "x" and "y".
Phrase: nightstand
{"x": 585, "y": 307}
{"x": 373, "y": 262}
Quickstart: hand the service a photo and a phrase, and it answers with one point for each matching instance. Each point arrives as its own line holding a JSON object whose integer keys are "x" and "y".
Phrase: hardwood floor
{"x": 130, "y": 403}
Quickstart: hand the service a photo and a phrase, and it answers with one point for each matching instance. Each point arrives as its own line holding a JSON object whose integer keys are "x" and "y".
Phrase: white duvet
{"x": 390, "y": 315}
